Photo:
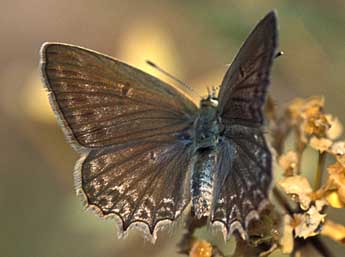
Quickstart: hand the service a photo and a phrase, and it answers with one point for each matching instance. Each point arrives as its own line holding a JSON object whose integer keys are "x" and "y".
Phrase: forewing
{"x": 242, "y": 180}
{"x": 103, "y": 102}
{"x": 242, "y": 92}
{"x": 142, "y": 184}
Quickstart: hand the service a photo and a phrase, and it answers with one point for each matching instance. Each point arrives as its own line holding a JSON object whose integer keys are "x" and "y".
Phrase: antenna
{"x": 152, "y": 64}
{"x": 280, "y": 53}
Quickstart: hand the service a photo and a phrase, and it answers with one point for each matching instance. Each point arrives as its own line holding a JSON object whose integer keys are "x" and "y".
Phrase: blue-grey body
{"x": 207, "y": 128}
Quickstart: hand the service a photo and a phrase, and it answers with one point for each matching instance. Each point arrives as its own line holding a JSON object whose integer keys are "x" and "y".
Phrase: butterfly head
{"x": 211, "y": 100}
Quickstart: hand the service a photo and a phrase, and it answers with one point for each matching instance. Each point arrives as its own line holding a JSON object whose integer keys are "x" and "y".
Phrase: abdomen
{"x": 204, "y": 166}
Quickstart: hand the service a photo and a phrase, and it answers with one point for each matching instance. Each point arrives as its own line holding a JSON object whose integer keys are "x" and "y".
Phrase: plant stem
{"x": 300, "y": 146}
{"x": 282, "y": 201}
{"x": 319, "y": 170}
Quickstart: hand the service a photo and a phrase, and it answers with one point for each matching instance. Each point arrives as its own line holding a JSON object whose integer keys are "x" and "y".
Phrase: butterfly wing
{"x": 244, "y": 168}
{"x": 242, "y": 180}
{"x": 102, "y": 101}
{"x": 243, "y": 90}
{"x": 143, "y": 184}
{"x": 133, "y": 130}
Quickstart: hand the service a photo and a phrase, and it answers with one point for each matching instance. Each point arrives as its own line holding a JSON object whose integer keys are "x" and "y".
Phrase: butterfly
{"x": 147, "y": 151}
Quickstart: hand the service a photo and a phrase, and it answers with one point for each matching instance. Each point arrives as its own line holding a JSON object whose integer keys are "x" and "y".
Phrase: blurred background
{"x": 194, "y": 40}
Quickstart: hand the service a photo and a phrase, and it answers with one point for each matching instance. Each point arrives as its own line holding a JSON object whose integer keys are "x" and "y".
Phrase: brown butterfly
{"x": 147, "y": 151}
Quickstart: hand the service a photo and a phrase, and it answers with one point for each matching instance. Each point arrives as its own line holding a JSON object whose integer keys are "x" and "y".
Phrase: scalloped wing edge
{"x": 252, "y": 215}
{"x": 150, "y": 236}
{"x": 236, "y": 225}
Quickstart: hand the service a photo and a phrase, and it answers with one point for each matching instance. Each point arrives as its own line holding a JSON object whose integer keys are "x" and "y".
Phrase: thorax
{"x": 207, "y": 125}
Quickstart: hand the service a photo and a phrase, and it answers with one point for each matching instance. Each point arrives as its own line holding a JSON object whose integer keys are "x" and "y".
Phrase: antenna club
{"x": 280, "y": 53}
{"x": 151, "y": 63}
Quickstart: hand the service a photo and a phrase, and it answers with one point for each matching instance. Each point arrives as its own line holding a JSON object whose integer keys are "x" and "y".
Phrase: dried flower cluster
{"x": 318, "y": 130}
{"x": 297, "y": 216}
